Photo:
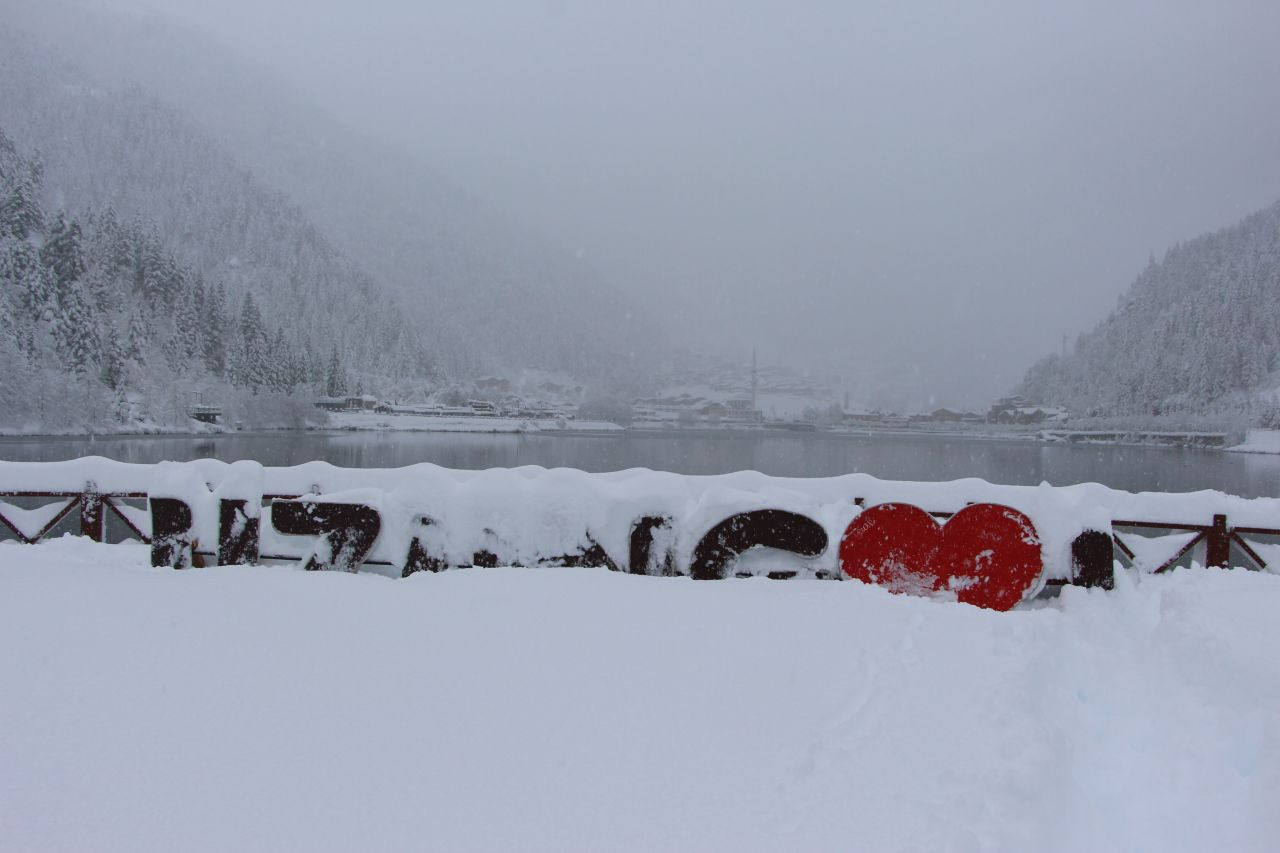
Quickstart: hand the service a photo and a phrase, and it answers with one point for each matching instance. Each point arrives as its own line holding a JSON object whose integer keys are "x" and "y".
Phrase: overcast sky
{"x": 934, "y": 189}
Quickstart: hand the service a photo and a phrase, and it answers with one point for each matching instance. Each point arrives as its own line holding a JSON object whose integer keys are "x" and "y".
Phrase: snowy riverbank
{"x": 1259, "y": 441}
{"x": 353, "y": 421}
{"x": 559, "y": 709}
{"x": 53, "y": 430}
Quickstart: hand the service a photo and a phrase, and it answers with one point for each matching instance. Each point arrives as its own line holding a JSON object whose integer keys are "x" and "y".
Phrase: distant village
{"x": 468, "y": 409}
{"x": 495, "y": 397}
{"x": 715, "y": 404}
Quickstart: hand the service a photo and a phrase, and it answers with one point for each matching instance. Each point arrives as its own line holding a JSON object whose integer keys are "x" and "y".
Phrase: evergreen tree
{"x": 215, "y": 328}
{"x": 74, "y": 331}
{"x": 188, "y": 328}
{"x": 113, "y": 361}
{"x": 135, "y": 340}
{"x": 335, "y": 383}
{"x": 248, "y": 361}
{"x": 62, "y": 252}
{"x": 20, "y": 214}
{"x": 159, "y": 277}
{"x": 30, "y": 283}
{"x": 311, "y": 372}
{"x": 285, "y": 363}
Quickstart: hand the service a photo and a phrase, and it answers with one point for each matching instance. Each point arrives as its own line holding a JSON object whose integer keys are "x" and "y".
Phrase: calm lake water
{"x": 909, "y": 457}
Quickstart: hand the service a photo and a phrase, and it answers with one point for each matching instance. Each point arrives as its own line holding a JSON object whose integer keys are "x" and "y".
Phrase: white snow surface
{"x": 267, "y": 708}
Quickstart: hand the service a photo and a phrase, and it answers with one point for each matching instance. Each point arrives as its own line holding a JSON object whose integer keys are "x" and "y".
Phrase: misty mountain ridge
{"x": 487, "y": 294}
{"x": 1197, "y": 333}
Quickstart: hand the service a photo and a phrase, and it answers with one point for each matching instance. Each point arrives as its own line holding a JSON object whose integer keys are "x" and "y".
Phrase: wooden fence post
{"x": 91, "y": 512}
{"x": 1218, "y": 543}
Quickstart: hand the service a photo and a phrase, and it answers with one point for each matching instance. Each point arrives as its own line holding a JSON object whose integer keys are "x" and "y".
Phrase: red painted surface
{"x": 986, "y": 554}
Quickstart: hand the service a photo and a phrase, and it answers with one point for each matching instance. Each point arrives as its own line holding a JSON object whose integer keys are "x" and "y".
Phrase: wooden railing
{"x": 1217, "y": 538}
{"x": 91, "y": 504}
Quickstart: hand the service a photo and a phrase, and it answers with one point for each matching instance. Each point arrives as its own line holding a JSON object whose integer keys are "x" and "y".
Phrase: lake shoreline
{"x": 903, "y": 456}
{"x": 1258, "y": 441}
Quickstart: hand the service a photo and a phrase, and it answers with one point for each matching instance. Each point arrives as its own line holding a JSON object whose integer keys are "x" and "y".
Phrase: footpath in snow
{"x": 266, "y": 708}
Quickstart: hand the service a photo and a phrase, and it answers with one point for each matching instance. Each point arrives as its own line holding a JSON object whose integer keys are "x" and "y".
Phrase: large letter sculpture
{"x": 650, "y": 550}
{"x": 346, "y": 531}
{"x": 1092, "y": 559}
{"x": 986, "y": 554}
{"x": 171, "y": 522}
{"x": 239, "y": 532}
{"x": 766, "y": 528}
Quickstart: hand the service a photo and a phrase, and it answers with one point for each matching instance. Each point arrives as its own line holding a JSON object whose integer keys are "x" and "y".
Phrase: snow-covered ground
{"x": 265, "y": 708}
{"x": 1260, "y": 441}
{"x": 440, "y": 423}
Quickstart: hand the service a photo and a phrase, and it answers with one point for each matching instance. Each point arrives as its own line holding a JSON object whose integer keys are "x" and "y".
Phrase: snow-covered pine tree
{"x": 188, "y": 328}
{"x": 30, "y": 283}
{"x": 215, "y": 328}
{"x": 62, "y": 252}
{"x": 335, "y": 383}
{"x": 136, "y": 341}
{"x": 312, "y": 373}
{"x": 248, "y": 359}
{"x": 75, "y": 332}
{"x": 20, "y": 212}
{"x": 113, "y": 371}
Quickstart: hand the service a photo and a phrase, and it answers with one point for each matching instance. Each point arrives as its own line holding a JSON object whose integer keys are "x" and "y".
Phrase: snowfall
{"x": 267, "y": 708}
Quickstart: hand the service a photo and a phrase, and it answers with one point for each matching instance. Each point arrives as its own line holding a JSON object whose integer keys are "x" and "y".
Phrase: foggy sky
{"x": 930, "y": 190}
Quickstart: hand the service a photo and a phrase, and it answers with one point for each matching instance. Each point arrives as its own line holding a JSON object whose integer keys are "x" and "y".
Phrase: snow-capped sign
{"x": 999, "y": 545}
{"x": 986, "y": 555}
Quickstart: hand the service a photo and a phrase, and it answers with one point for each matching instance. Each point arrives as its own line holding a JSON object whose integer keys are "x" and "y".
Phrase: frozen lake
{"x": 901, "y": 457}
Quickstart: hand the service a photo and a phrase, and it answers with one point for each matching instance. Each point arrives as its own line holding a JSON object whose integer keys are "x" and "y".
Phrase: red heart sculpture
{"x": 987, "y": 554}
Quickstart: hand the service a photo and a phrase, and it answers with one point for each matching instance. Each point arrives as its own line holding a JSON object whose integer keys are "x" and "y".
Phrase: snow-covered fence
{"x": 996, "y": 544}
{"x": 32, "y": 525}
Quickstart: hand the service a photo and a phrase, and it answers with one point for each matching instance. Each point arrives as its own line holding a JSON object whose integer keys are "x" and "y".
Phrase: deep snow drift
{"x": 268, "y": 708}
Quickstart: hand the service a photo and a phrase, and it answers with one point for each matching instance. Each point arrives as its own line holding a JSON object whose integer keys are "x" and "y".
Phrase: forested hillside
{"x": 1197, "y": 333}
{"x": 487, "y": 293}
{"x": 125, "y": 150}
{"x": 102, "y": 327}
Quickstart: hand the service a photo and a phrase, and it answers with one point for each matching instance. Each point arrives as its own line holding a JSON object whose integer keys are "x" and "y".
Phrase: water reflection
{"x": 893, "y": 457}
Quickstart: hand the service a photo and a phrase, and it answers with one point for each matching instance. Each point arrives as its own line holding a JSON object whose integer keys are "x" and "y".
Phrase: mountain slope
{"x": 124, "y": 150}
{"x": 102, "y": 329}
{"x": 491, "y": 293}
{"x": 1198, "y": 332}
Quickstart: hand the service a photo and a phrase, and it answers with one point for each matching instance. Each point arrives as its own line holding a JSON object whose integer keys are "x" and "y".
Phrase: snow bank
{"x": 265, "y": 708}
{"x": 1259, "y": 441}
